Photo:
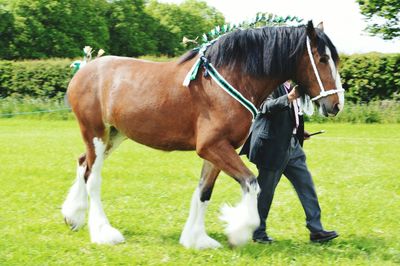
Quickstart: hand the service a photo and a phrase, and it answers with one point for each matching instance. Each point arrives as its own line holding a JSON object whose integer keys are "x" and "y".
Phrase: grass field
{"x": 146, "y": 194}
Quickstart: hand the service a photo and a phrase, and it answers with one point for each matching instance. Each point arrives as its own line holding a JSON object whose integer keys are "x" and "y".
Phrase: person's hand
{"x": 306, "y": 135}
{"x": 293, "y": 94}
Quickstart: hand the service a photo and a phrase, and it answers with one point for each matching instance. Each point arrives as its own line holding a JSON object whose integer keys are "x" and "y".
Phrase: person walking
{"x": 275, "y": 146}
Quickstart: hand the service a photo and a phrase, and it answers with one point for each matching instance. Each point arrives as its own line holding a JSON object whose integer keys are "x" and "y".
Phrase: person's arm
{"x": 273, "y": 105}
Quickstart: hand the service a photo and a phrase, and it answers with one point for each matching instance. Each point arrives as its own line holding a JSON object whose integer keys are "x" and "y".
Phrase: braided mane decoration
{"x": 261, "y": 20}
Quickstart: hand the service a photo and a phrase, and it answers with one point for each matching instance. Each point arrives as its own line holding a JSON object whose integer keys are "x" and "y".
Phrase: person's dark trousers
{"x": 295, "y": 169}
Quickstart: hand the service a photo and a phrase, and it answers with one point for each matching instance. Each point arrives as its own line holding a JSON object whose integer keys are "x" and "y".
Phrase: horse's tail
{"x": 66, "y": 101}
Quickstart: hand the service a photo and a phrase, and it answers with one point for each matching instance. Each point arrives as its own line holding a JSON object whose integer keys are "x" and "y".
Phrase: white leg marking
{"x": 75, "y": 205}
{"x": 101, "y": 231}
{"x": 194, "y": 233}
{"x": 243, "y": 219}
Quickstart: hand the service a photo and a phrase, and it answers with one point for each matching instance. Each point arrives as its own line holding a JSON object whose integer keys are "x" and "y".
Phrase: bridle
{"x": 323, "y": 93}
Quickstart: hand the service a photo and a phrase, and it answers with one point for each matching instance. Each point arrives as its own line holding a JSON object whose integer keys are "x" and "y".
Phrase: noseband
{"x": 323, "y": 93}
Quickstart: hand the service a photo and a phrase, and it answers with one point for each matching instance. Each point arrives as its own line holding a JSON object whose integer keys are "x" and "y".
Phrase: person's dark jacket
{"x": 269, "y": 140}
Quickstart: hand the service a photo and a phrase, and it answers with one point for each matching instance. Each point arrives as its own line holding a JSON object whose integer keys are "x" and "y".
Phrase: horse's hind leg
{"x": 101, "y": 231}
{"x": 99, "y": 144}
{"x": 76, "y": 203}
{"x": 194, "y": 233}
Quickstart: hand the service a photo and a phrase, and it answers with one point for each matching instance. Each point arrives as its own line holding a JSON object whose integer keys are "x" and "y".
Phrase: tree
{"x": 384, "y": 17}
{"x": 6, "y": 32}
{"x": 131, "y": 29}
{"x": 191, "y": 19}
{"x": 210, "y": 16}
{"x": 58, "y": 28}
{"x": 34, "y": 29}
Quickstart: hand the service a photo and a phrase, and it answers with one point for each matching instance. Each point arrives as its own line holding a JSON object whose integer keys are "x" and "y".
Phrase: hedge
{"x": 366, "y": 77}
{"x": 372, "y": 76}
{"x": 35, "y": 78}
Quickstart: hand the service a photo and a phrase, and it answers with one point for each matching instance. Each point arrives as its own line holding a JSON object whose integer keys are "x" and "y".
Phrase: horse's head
{"x": 317, "y": 71}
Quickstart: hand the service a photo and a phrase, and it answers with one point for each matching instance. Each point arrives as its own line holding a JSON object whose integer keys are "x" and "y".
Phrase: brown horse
{"x": 116, "y": 98}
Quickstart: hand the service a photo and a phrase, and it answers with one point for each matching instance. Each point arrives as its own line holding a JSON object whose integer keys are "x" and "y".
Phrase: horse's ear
{"x": 320, "y": 26}
{"x": 311, "y": 32}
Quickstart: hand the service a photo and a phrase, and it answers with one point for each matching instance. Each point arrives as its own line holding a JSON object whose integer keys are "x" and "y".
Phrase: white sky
{"x": 342, "y": 20}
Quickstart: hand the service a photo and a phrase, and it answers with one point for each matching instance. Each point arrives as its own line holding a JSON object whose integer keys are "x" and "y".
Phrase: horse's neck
{"x": 267, "y": 86}
{"x": 252, "y": 88}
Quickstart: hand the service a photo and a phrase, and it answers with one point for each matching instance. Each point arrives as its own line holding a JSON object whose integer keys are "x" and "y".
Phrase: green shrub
{"x": 35, "y": 78}
{"x": 372, "y": 76}
{"x": 366, "y": 77}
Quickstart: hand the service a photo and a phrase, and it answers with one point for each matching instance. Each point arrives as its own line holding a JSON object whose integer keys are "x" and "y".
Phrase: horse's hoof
{"x": 240, "y": 225}
{"x": 74, "y": 219}
{"x": 106, "y": 234}
{"x": 202, "y": 241}
{"x": 74, "y": 226}
{"x": 206, "y": 242}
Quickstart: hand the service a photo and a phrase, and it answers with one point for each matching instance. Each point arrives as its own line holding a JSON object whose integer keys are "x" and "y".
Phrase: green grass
{"x": 146, "y": 194}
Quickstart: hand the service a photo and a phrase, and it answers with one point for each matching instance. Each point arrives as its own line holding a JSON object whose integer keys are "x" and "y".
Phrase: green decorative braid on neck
{"x": 261, "y": 20}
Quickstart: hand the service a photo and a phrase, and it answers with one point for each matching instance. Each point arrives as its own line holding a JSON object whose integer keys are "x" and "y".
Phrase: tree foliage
{"x": 6, "y": 32}
{"x": 43, "y": 29}
{"x": 131, "y": 29}
{"x": 58, "y": 28}
{"x": 190, "y": 19}
{"x": 383, "y": 17}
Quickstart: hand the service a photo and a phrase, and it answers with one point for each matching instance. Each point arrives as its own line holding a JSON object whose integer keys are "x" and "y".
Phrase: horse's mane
{"x": 266, "y": 51}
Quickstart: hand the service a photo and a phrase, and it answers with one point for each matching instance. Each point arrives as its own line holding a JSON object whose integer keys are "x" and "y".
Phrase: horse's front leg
{"x": 194, "y": 233}
{"x": 242, "y": 219}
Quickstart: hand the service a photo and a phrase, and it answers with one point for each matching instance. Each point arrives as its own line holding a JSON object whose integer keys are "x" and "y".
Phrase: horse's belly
{"x": 158, "y": 130}
{"x": 162, "y": 138}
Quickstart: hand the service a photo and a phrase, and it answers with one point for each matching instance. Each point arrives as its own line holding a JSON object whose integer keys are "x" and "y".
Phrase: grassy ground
{"x": 146, "y": 194}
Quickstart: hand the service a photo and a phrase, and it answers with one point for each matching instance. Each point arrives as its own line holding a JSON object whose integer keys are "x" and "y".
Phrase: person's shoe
{"x": 323, "y": 236}
{"x": 263, "y": 240}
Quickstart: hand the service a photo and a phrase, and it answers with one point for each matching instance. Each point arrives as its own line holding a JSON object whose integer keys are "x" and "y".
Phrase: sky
{"x": 342, "y": 20}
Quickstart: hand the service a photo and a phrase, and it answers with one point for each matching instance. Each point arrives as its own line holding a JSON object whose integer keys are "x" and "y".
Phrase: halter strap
{"x": 323, "y": 92}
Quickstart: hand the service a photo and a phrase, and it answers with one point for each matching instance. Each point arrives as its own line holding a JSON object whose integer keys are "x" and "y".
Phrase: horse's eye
{"x": 324, "y": 59}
